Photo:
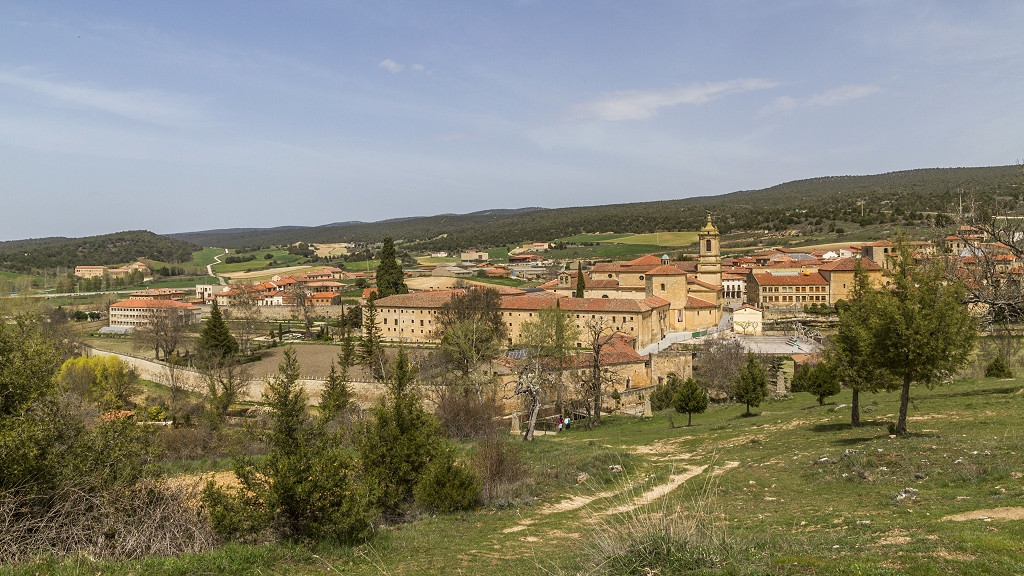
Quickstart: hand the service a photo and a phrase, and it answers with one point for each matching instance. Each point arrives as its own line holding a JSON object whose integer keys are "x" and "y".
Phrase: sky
{"x": 184, "y": 116}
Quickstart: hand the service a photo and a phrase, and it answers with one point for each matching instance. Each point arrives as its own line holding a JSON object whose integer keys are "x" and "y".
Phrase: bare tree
{"x": 163, "y": 333}
{"x": 226, "y": 382}
{"x": 718, "y": 362}
{"x": 597, "y": 332}
{"x": 246, "y": 317}
{"x": 302, "y": 307}
{"x": 989, "y": 257}
{"x": 530, "y": 383}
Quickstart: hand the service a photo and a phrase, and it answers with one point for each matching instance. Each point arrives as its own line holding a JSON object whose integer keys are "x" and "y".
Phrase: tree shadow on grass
{"x": 1002, "y": 390}
{"x": 843, "y": 426}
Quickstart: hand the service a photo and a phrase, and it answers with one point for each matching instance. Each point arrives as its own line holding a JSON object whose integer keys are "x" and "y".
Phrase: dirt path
{"x": 1005, "y": 513}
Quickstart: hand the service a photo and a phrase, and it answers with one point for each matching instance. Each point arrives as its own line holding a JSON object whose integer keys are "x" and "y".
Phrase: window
{"x": 707, "y": 245}
{"x": 662, "y": 287}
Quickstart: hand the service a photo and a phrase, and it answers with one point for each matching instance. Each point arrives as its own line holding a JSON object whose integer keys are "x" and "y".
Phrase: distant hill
{"x": 905, "y": 198}
{"x": 106, "y": 250}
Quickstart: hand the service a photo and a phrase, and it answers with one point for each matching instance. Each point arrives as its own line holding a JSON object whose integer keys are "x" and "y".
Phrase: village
{"x": 652, "y": 311}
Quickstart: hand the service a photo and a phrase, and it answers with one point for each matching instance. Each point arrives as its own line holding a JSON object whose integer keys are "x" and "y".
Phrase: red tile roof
{"x": 747, "y": 307}
{"x": 429, "y": 299}
{"x": 850, "y": 265}
{"x": 812, "y": 279}
{"x": 666, "y": 271}
{"x": 645, "y": 260}
{"x": 140, "y": 303}
{"x": 692, "y": 302}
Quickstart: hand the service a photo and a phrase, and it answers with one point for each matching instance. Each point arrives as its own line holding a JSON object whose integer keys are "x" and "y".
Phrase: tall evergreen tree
{"x": 215, "y": 340}
{"x": 751, "y": 386}
{"x": 581, "y": 284}
{"x": 336, "y": 395}
{"x": 390, "y": 278}
{"x": 371, "y": 349}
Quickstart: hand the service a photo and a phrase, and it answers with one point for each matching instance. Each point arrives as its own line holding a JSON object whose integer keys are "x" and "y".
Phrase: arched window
{"x": 707, "y": 245}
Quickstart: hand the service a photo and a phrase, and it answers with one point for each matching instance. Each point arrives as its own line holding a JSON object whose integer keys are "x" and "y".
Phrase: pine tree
{"x": 690, "y": 399}
{"x": 336, "y": 395}
{"x": 751, "y": 386}
{"x": 400, "y": 441}
{"x": 215, "y": 340}
{"x": 390, "y": 278}
{"x": 371, "y": 350}
{"x": 581, "y": 284}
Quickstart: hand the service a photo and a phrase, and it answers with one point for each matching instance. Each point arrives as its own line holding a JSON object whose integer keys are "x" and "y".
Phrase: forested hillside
{"x": 109, "y": 249}
{"x": 904, "y": 198}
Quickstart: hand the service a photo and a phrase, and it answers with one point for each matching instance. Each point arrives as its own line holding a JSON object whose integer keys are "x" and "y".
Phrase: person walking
{"x": 568, "y": 422}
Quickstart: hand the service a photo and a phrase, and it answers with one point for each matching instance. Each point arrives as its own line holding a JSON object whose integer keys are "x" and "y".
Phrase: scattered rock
{"x": 850, "y": 452}
{"x": 1016, "y": 475}
{"x": 582, "y": 477}
{"x": 864, "y": 522}
{"x": 615, "y": 468}
{"x": 824, "y": 460}
{"x": 902, "y": 494}
{"x": 919, "y": 476}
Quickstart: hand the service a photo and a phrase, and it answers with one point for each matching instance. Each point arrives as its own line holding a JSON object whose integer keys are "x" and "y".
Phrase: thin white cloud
{"x": 394, "y": 67}
{"x": 831, "y": 97}
{"x": 147, "y": 105}
{"x": 391, "y": 66}
{"x": 641, "y": 104}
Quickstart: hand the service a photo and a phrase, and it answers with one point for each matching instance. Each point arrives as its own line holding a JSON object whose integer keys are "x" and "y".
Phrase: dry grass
{"x": 151, "y": 519}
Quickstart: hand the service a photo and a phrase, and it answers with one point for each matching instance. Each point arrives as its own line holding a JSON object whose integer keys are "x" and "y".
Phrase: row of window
{"x": 793, "y": 288}
{"x": 800, "y": 298}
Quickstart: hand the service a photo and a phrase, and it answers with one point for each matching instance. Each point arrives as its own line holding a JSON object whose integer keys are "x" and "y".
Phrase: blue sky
{"x": 195, "y": 115}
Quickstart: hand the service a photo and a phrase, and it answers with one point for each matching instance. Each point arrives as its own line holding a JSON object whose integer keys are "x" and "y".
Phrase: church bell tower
{"x": 709, "y": 265}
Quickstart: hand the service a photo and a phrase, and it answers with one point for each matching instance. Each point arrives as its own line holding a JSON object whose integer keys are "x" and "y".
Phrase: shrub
{"x": 663, "y": 394}
{"x": 463, "y": 416}
{"x": 499, "y": 463}
{"x": 998, "y": 368}
{"x": 448, "y": 486}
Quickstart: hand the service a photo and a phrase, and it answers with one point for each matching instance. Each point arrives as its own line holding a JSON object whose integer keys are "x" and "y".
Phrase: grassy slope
{"x": 783, "y": 508}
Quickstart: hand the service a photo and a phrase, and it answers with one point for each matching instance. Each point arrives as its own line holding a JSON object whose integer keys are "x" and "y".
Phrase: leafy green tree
{"x": 104, "y": 380}
{"x": 922, "y": 331}
{"x": 398, "y": 443}
{"x": 305, "y": 488}
{"x": 390, "y": 277}
{"x": 581, "y": 284}
{"x": 215, "y": 340}
{"x": 851, "y": 350}
{"x": 690, "y": 398}
{"x": 751, "y": 387}
{"x": 471, "y": 329}
{"x": 820, "y": 380}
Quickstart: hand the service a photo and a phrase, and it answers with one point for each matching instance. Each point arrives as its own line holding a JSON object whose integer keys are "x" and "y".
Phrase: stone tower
{"x": 709, "y": 265}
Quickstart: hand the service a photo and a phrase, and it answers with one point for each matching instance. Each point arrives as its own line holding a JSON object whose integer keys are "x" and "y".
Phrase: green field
{"x": 280, "y": 259}
{"x": 613, "y": 251}
{"x": 658, "y": 239}
{"x": 792, "y": 490}
{"x": 665, "y": 239}
{"x": 592, "y": 238}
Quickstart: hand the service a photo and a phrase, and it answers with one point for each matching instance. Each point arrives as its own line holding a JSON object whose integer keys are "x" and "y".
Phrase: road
{"x": 209, "y": 268}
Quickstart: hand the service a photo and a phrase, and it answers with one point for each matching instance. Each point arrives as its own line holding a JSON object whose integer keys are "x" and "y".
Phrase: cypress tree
{"x": 216, "y": 340}
{"x": 580, "y": 283}
{"x": 390, "y": 278}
